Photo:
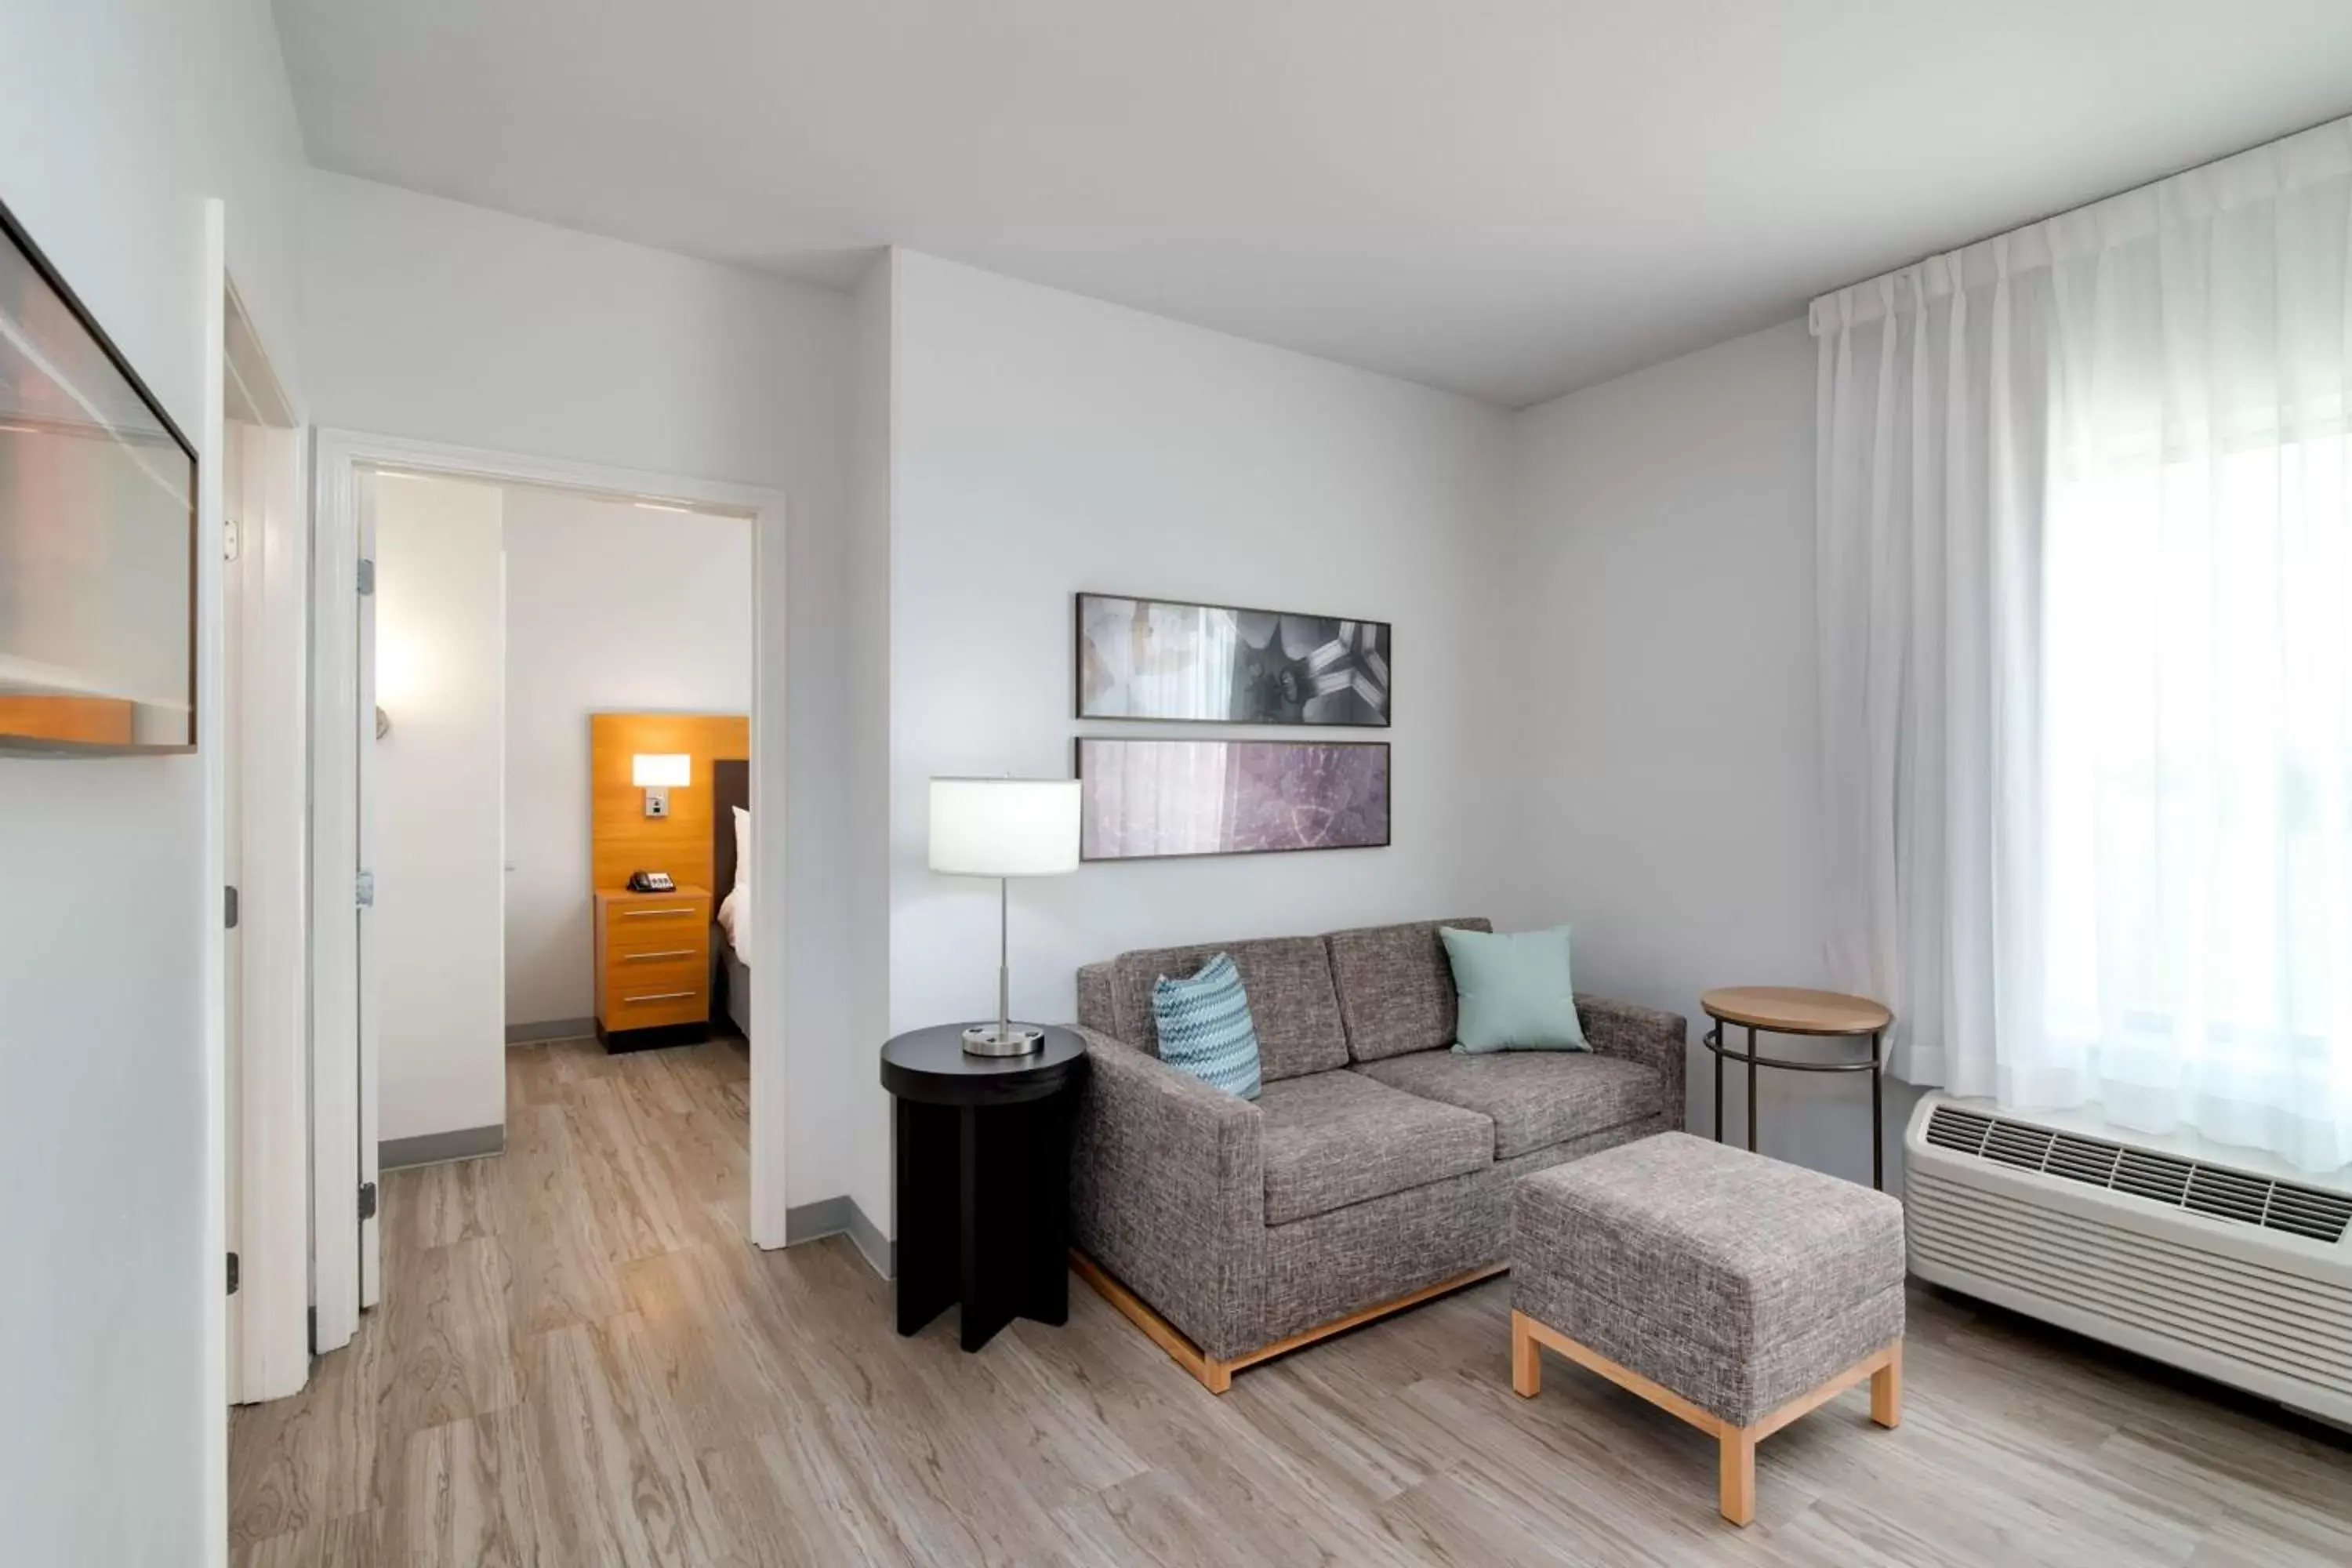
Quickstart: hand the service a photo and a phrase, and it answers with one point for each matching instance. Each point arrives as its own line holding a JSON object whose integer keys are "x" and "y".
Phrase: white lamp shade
{"x": 1005, "y": 827}
{"x": 661, "y": 770}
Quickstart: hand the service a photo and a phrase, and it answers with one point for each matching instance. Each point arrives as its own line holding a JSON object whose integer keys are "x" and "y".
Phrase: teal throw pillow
{"x": 1515, "y": 992}
{"x": 1205, "y": 1029}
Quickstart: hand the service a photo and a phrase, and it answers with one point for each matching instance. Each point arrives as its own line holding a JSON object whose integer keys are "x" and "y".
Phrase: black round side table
{"x": 983, "y": 1179}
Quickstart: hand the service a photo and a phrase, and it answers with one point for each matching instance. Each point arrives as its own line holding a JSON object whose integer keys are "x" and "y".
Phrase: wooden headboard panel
{"x": 731, "y": 786}
{"x": 621, "y": 837}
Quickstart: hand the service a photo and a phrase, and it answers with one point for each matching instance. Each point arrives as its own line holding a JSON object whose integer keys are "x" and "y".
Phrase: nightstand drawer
{"x": 662, "y": 969}
{"x": 676, "y": 937}
{"x": 656, "y": 917}
{"x": 643, "y": 1007}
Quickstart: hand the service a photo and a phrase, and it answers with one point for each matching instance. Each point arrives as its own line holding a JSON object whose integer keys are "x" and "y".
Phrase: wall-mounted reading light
{"x": 658, "y": 773}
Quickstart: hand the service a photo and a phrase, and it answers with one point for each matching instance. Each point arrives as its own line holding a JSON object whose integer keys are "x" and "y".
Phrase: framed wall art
{"x": 98, "y": 533}
{"x": 1151, "y": 799}
{"x": 1220, "y": 664}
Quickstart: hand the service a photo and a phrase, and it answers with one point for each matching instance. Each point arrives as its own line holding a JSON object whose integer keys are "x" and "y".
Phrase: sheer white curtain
{"x": 2084, "y": 559}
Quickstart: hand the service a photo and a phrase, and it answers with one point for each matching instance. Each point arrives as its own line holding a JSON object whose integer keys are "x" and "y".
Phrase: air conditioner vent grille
{"x": 2164, "y": 1177}
{"x": 2019, "y": 1143}
{"x": 2217, "y": 1191}
{"x": 2308, "y": 1211}
{"x": 1960, "y": 1130}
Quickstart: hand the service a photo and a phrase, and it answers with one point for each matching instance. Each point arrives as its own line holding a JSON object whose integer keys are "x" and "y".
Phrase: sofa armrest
{"x": 1656, "y": 1039}
{"x": 1168, "y": 1191}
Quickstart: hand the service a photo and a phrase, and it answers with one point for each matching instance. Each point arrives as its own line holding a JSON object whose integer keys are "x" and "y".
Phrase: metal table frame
{"x": 1714, "y": 1044}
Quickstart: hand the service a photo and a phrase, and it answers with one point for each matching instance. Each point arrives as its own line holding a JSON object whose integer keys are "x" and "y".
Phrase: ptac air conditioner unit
{"x": 2233, "y": 1274}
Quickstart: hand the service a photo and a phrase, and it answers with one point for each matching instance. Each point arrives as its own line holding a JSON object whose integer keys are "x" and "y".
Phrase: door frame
{"x": 339, "y": 458}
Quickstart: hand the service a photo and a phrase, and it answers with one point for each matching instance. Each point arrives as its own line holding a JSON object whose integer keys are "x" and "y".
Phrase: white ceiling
{"x": 1509, "y": 197}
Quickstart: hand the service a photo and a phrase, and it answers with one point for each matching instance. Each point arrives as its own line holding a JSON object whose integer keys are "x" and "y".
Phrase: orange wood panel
{"x": 99, "y": 720}
{"x": 621, "y": 837}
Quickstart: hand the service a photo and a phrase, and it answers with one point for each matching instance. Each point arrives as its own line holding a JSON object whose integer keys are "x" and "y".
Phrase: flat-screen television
{"x": 98, "y": 533}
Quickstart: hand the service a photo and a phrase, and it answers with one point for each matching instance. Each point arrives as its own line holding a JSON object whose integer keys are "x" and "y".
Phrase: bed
{"x": 730, "y": 939}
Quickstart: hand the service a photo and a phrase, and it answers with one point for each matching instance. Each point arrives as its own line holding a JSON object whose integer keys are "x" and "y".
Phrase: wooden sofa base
{"x": 1217, "y": 1375}
{"x": 1736, "y": 1483}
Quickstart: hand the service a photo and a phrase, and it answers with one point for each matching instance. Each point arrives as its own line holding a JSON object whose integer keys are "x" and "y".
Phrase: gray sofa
{"x": 1375, "y": 1168}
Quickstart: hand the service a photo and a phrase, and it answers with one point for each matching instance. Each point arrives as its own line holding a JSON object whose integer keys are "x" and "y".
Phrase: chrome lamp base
{"x": 1002, "y": 1040}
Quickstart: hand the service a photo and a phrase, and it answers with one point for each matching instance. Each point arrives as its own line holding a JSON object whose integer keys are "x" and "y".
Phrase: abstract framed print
{"x": 98, "y": 533}
{"x": 1171, "y": 660}
{"x": 1153, "y": 799}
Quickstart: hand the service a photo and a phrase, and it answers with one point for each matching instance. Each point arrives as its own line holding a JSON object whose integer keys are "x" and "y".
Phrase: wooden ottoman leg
{"x": 1736, "y": 1494}
{"x": 1527, "y": 1359}
{"x": 1886, "y": 1389}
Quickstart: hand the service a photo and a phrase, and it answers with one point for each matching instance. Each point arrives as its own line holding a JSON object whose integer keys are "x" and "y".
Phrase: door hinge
{"x": 367, "y": 1200}
{"x": 311, "y": 1326}
{"x": 367, "y": 576}
{"x": 232, "y": 1273}
{"x": 366, "y": 890}
{"x": 229, "y": 539}
{"x": 231, "y": 913}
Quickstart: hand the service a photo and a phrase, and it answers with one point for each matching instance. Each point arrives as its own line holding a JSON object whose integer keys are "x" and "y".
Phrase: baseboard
{"x": 550, "y": 1029}
{"x": 842, "y": 1217}
{"x": 439, "y": 1147}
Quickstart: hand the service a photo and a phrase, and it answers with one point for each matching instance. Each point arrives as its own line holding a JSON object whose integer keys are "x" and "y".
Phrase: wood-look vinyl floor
{"x": 579, "y": 1361}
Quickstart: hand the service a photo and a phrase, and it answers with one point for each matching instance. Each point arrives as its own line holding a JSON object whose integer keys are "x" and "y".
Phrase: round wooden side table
{"x": 983, "y": 1179}
{"x": 1793, "y": 1010}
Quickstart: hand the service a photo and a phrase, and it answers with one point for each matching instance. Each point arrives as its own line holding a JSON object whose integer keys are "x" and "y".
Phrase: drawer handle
{"x": 648, "y": 957}
{"x": 664, "y": 996}
{"x": 643, "y": 914}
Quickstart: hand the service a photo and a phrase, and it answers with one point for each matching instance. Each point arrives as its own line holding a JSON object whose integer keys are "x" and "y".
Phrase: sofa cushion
{"x": 1204, "y": 1027}
{"x": 1395, "y": 986}
{"x": 1511, "y": 992}
{"x": 1331, "y": 1139}
{"x": 1291, "y": 1002}
{"x": 1534, "y": 1098}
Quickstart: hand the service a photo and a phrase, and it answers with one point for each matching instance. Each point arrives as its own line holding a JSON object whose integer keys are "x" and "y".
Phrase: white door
{"x": 232, "y": 610}
{"x": 341, "y": 1124}
{"x": 371, "y": 1244}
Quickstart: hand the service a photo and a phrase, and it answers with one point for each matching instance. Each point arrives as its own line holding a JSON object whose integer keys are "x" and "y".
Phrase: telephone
{"x": 651, "y": 882}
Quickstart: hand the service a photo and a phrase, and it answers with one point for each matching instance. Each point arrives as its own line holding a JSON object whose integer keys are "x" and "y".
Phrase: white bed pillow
{"x": 742, "y": 848}
{"x": 735, "y": 920}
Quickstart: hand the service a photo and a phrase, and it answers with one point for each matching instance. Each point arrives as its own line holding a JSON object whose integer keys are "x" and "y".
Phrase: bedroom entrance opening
{"x": 555, "y": 788}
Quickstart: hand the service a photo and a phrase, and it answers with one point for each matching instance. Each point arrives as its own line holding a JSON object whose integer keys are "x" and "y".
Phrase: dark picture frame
{"x": 1291, "y": 667}
{"x": 1267, "y": 755}
{"x": 59, "y": 718}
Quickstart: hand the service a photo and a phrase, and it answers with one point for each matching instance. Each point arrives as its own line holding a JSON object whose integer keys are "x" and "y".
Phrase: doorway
{"x": 364, "y": 659}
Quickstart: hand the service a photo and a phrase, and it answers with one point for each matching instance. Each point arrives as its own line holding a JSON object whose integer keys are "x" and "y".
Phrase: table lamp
{"x": 1003, "y": 829}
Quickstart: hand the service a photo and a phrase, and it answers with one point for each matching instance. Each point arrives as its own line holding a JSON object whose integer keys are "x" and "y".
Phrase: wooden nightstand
{"x": 653, "y": 965}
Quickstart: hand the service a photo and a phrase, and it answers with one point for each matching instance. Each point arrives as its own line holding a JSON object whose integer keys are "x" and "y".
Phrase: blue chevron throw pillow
{"x": 1205, "y": 1029}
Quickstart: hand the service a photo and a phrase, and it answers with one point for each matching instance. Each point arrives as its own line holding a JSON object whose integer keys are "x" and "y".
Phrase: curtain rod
{"x": 2076, "y": 206}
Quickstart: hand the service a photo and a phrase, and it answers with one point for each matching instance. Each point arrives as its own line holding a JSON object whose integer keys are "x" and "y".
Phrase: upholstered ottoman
{"x": 1735, "y": 1291}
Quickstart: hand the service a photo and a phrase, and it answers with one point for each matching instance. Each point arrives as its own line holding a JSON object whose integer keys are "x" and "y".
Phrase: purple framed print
{"x": 1142, "y": 800}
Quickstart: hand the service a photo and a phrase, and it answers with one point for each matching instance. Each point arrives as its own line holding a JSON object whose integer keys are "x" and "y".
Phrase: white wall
{"x": 855, "y": 1131}
{"x": 1046, "y": 443}
{"x": 439, "y": 814}
{"x": 1665, "y": 561}
{"x": 430, "y": 319}
{"x": 117, "y": 119}
{"x": 610, "y": 608}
